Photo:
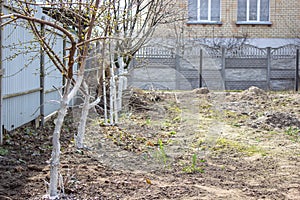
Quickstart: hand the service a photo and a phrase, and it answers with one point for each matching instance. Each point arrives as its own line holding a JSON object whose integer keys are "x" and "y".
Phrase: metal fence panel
{"x": 20, "y": 82}
{"x": 21, "y": 87}
{"x": 19, "y": 110}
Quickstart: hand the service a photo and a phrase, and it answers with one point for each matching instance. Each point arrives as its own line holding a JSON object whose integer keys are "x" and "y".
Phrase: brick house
{"x": 263, "y": 22}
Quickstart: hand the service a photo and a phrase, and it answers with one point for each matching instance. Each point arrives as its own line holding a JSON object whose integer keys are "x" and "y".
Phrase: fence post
{"x": 268, "y": 67}
{"x": 200, "y": 68}
{"x": 177, "y": 69}
{"x": 297, "y": 71}
{"x": 223, "y": 70}
{"x": 42, "y": 78}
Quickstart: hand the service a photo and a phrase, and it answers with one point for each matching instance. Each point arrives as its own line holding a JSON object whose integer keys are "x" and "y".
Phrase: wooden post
{"x": 297, "y": 72}
{"x": 42, "y": 78}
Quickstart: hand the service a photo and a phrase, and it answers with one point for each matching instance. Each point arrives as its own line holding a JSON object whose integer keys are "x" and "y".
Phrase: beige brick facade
{"x": 284, "y": 16}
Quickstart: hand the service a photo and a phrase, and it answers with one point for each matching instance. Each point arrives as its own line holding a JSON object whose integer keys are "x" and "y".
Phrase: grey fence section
{"x": 283, "y": 68}
{"x": 30, "y": 81}
{"x": 153, "y": 67}
{"x": 161, "y": 68}
{"x": 244, "y": 67}
{"x": 215, "y": 68}
{"x": 268, "y": 68}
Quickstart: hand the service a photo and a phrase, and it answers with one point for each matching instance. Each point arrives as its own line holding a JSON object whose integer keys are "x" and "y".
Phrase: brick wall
{"x": 284, "y": 16}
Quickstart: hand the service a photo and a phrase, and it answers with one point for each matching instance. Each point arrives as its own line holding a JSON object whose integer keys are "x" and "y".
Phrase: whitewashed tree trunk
{"x": 121, "y": 84}
{"x": 79, "y": 138}
{"x": 113, "y": 100}
{"x": 104, "y": 81}
{"x": 115, "y": 110}
{"x": 55, "y": 157}
{"x": 104, "y": 95}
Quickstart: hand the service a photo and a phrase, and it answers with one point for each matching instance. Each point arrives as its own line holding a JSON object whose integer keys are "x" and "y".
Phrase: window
{"x": 204, "y": 11}
{"x": 253, "y": 11}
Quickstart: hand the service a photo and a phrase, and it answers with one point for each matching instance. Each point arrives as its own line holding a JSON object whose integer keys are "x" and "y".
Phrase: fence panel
{"x": 282, "y": 72}
{"x": 20, "y": 82}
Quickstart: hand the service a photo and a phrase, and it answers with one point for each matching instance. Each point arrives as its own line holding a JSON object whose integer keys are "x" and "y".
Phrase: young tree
{"x": 75, "y": 20}
{"x": 133, "y": 22}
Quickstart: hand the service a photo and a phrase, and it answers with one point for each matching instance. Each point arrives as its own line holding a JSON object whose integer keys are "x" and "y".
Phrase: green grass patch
{"x": 226, "y": 145}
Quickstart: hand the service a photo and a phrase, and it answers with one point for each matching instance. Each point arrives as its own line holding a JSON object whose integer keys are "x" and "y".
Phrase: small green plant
{"x": 193, "y": 167}
{"x": 172, "y": 132}
{"x": 161, "y": 153}
{"x": 148, "y": 121}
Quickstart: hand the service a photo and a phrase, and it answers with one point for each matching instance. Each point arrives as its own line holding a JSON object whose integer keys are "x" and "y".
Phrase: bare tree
{"x": 133, "y": 22}
{"x": 76, "y": 21}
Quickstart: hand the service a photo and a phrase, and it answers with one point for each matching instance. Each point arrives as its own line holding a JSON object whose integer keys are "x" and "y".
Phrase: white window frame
{"x": 258, "y": 20}
{"x": 209, "y": 13}
{"x": 257, "y": 12}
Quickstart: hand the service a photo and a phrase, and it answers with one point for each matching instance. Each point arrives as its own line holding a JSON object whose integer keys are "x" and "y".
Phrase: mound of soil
{"x": 201, "y": 90}
{"x": 140, "y": 100}
{"x": 276, "y": 120}
{"x": 253, "y": 93}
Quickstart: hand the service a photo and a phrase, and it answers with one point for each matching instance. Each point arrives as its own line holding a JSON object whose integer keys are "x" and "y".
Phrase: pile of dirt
{"x": 276, "y": 120}
{"x": 140, "y": 100}
{"x": 203, "y": 90}
{"x": 253, "y": 93}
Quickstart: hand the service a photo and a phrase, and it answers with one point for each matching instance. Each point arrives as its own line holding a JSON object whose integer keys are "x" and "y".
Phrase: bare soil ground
{"x": 168, "y": 145}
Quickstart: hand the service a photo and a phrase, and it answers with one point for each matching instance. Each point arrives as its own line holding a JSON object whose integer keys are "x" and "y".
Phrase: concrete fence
{"x": 216, "y": 68}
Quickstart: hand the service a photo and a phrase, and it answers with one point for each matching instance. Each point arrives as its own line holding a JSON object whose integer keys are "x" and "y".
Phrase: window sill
{"x": 254, "y": 23}
{"x": 204, "y": 23}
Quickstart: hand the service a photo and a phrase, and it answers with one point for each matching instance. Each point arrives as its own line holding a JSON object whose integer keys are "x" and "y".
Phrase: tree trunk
{"x": 121, "y": 84}
{"x": 55, "y": 158}
{"x": 104, "y": 82}
{"x": 84, "y": 114}
{"x": 112, "y": 91}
